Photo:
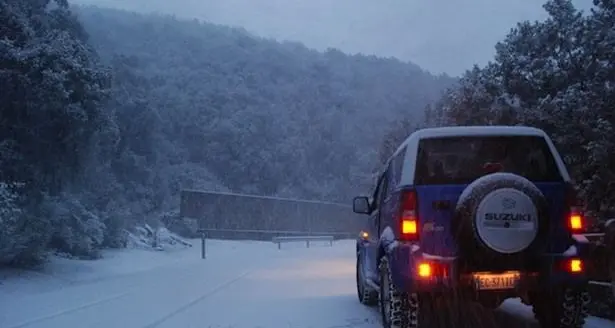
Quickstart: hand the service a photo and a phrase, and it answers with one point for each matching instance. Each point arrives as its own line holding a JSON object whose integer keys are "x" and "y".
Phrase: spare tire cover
{"x": 505, "y": 211}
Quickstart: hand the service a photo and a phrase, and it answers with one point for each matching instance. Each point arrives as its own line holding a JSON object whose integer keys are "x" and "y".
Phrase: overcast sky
{"x": 439, "y": 35}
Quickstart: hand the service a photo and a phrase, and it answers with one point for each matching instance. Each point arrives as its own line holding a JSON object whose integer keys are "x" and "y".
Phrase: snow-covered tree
{"x": 557, "y": 75}
{"x": 51, "y": 92}
{"x": 105, "y": 118}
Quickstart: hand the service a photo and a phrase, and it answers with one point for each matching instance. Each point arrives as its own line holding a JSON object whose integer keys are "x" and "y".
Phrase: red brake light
{"x": 431, "y": 270}
{"x": 575, "y": 222}
{"x": 575, "y": 219}
{"x": 425, "y": 270}
{"x": 573, "y": 265}
{"x": 409, "y": 225}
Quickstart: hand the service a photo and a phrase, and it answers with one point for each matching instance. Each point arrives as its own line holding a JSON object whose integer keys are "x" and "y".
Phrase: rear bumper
{"x": 446, "y": 275}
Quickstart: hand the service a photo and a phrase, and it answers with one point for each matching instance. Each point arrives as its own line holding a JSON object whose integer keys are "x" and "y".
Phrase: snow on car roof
{"x": 479, "y": 130}
{"x": 411, "y": 144}
{"x": 465, "y": 131}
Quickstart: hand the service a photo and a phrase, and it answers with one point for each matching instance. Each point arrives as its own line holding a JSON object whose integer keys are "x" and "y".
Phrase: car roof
{"x": 466, "y": 131}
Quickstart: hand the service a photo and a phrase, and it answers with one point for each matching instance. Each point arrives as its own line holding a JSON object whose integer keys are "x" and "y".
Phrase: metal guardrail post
{"x": 156, "y": 237}
{"x": 203, "y": 245}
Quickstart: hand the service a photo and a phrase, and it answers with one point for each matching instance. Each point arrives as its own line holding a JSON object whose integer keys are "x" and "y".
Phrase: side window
{"x": 394, "y": 172}
{"x": 398, "y": 165}
{"x": 391, "y": 183}
{"x": 380, "y": 191}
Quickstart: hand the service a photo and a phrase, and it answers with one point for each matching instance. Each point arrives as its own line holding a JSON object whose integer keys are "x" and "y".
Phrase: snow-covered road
{"x": 239, "y": 285}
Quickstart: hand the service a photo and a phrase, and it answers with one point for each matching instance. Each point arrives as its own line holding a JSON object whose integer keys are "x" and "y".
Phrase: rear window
{"x": 461, "y": 160}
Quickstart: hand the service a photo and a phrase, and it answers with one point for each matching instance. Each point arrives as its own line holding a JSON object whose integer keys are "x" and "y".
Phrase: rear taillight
{"x": 409, "y": 224}
{"x": 575, "y": 266}
{"x": 429, "y": 270}
{"x": 571, "y": 265}
{"x": 424, "y": 270}
{"x": 575, "y": 220}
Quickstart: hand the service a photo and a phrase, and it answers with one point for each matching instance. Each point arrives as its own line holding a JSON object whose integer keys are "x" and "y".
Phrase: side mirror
{"x": 360, "y": 205}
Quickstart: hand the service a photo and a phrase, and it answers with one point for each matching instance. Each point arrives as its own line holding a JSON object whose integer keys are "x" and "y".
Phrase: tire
{"x": 562, "y": 308}
{"x": 366, "y": 294}
{"x": 506, "y": 201}
{"x": 397, "y": 309}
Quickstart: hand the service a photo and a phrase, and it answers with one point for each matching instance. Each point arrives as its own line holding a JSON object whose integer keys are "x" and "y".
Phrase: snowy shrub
{"x": 76, "y": 230}
{"x": 184, "y": 227}
{"x": 23, "y": 235}
{"x": 11, "y": 219}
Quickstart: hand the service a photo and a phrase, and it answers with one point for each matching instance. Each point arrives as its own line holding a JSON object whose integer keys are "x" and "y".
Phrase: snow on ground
{"x": 62, "y": 272}
{"x": 524, "y": 312}
{"x": 241, "y": 284}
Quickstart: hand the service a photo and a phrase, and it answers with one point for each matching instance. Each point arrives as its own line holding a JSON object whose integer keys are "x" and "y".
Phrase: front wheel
{"x": 563, "y": 307}
{"x": 367, "y": 295}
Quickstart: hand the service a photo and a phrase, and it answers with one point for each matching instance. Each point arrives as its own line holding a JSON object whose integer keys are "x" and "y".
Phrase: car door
{"x": 374, "y": 228}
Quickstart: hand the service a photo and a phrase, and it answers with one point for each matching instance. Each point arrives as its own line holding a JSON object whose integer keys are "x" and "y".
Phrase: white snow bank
{"x": 146, "y": 237}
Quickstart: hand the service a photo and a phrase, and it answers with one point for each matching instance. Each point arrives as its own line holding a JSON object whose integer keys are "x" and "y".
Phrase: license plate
{"x": 490, "y": 281}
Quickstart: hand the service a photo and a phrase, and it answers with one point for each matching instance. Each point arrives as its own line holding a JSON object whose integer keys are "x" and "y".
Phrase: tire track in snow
{"x": 70, "y": 310}
{"x": 198, "y": 300}
{"x": 135, "y": 287}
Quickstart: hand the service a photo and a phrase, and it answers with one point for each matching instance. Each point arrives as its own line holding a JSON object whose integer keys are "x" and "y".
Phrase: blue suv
{"x": 482, "y": 214}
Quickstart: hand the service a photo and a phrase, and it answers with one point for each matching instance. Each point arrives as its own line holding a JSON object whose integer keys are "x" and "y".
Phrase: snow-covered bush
{"x": 11, "y": 218}
{"x": 75, "y": 229}
{"x": 23, "y": 236}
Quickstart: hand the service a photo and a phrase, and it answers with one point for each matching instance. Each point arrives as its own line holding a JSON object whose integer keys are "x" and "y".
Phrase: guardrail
{"x": 600, "y": 283}
{"x": 594, "y": 234}
{"x": 307, "y": 239}
{"x": 241, "y": 216}
{"x": 594, "y": 237}
{"x": 282, "y": 235}
{"x": 598, "y": 257}
{"x": 276, "y": 233}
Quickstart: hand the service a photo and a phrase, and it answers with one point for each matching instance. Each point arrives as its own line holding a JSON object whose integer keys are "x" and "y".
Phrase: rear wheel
{"x": 561, "y": 308}
{"x": 366, "y": 294}
{"x": 398, "y": 309}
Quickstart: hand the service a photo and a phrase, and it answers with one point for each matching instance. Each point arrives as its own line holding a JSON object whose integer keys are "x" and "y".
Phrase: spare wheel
{"x": 502, "y": 212}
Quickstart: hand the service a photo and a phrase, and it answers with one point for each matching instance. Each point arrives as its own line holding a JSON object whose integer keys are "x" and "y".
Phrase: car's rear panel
{"x": 436, "y": 208}
{"x": 437, "y": 203}
{"x": 446, "y": 166}
{"x": 437, "y": 189}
